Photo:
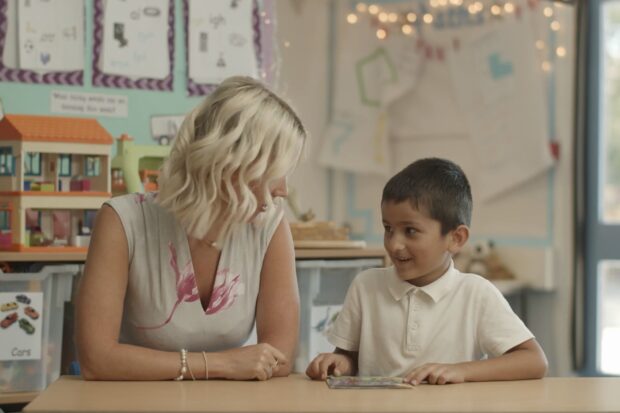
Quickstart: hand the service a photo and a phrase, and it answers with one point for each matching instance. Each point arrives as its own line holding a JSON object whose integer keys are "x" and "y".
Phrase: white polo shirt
{"x": 396, "y": 326}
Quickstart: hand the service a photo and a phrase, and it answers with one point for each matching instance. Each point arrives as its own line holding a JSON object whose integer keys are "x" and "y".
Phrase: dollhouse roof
{"x": 53, "y": 129}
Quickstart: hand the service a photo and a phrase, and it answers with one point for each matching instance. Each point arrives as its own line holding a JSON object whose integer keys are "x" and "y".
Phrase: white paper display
{"x": 501, "y": 91}
{"x": 21, "y": 339}
{"x": 9, "y": 54}
{"x": 221, "y": 40}
{"x": 370, "y": 75}
{"x": 51, "y": 35}
{"x": 135, "y": 39}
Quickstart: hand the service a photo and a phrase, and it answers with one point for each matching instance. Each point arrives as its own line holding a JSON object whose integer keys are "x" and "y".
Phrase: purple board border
{"x": 70, "y": 78}
{"x": 116, "y": 81}
{"x": 260, "y": 37}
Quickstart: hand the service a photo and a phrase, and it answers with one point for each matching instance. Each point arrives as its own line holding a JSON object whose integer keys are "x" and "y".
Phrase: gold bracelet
{"x": 183, "y": 365}
{"x": 204, "y": 355}
{"x": 190, "y": 370}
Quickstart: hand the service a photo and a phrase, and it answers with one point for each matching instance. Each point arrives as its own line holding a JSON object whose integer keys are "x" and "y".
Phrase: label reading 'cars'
{"x": 21, "y": 325}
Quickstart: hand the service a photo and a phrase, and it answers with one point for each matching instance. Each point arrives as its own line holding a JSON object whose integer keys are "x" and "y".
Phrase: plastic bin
{"x": 22, "y": 367}
{"x": 323, "y": 286}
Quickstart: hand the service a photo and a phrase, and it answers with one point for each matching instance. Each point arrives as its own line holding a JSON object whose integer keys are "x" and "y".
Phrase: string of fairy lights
{"x": 409, "y": 18}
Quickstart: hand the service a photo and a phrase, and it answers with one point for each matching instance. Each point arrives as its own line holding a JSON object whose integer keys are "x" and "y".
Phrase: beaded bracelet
{"x": 183, "y": 365}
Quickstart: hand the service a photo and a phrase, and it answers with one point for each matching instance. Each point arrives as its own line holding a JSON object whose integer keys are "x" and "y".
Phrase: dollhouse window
{"x": 7, "y": 162}
{"x": 64, "y": 165}
{"x": 32, "y": 164}
{"x": 5, "y": 220}
{"x": 92, "y": 166}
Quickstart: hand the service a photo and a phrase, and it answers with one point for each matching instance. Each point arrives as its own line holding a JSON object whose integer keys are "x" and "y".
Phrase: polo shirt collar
{"x": 435, "y": 290}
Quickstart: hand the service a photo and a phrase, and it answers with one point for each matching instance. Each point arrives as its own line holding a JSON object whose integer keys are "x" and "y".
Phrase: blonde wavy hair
{"x": 234, "y": 144}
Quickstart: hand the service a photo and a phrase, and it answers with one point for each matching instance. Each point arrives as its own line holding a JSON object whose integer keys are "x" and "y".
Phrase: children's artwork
{"x": 21, "y": 323}
{"x": 370, "y": 75}
{"x": 51, "y": 35}
{"x": 501, "y": 91}
{"x": 133, "y": 44}
{"x": 367, "y": 382}
{"x": 226, "y": 38}
{"x": 221, "y": 40}
{"x": 42, "y": 41}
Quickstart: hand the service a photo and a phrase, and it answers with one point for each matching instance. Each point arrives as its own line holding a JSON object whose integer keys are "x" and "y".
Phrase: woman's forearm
{"x": 128, "y": 362}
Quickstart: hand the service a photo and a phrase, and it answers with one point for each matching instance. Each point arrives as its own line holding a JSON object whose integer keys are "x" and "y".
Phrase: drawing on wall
{"x": 370, "y": 74}
{"x": 505, "y": 106}
{"x": 42, "y": 41}
{"x": 21, "y": 325}
{"x": 226, "y": 38}
{"x": 164, "y": 128}
{"x": 129, "y": 38}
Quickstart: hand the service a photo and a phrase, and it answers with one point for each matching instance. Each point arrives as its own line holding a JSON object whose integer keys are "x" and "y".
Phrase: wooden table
{"x": 298, "y": 394}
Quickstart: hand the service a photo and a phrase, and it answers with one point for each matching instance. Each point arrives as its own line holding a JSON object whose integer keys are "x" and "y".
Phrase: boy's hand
{"x": 329, "y": 363}
{"x": 436, "y": 373}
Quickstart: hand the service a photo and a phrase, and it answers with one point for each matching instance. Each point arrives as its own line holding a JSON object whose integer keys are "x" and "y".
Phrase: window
{"x": 32, "y": 164}
{"x": 92, "y": 166}
{"x": 64, "y": 165}
{"x": 5, "y": 220}
{"x": 7, "y": 162}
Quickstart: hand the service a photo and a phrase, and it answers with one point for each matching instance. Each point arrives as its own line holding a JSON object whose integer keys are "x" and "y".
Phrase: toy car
{"x": 26, "y": 326}
{"x": 8, "y": 320}
{"x": 8, "y": 306}
{"x": 31, "y": 312}
{"x": 22, "y": 299}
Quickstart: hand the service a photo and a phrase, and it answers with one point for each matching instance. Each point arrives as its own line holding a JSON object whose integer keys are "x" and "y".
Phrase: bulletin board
{"x": 106, "y": 79}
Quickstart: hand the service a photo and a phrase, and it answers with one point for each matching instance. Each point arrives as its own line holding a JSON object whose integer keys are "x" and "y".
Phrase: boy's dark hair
{"x": 436, "y": 184}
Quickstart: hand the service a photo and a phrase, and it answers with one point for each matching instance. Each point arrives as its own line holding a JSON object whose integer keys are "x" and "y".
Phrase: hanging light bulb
{"x": 443, "y": 3}
{"x": 479, "y": 6}
{"x": 412, "y": 17}
{"x": 546, "y": 66}
{"x": 555, "y": 25}
{"x": 428, "y": 18}
{"x": 373, "y": 9}
{"x": 560, "y": 51}
{"x": 496, "y": 10}
{"x": 352, "y": 18}
{"x": 407, "y": 29}
{"x": 381, "y": 34}
{"x": 393, "y": 17}
{"x": 509, "y": 7}
{"x": 472, "y": 9}
{"x": 548, "y": 11}
{"x": 433, "y": 3}
{"x": 540, "y": 44}
{"x": 361, "y": 7}
{"x": 287, "y": 44}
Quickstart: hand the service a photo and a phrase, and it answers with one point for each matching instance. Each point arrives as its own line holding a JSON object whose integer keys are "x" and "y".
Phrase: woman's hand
{"x": 436, "y": 373}
{"x": 259, "y": 361}
{"x": 324, "y": 364}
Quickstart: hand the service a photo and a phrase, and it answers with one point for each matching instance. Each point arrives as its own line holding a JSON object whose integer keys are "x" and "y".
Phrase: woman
{"x": 175, "y": 280}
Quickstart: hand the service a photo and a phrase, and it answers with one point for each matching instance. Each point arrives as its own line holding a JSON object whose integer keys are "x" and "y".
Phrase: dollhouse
{"x": 54, "y": 175}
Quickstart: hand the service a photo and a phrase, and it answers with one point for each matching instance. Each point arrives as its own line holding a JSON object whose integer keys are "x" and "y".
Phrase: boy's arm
{"x": 525, "y": 361}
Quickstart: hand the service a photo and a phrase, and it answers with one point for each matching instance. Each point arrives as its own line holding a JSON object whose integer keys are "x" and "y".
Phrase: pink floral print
{"x": 186, "y": 285}
{"x": 226, "y": 289}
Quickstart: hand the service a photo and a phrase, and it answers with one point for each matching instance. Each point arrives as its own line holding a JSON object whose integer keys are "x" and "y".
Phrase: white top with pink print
{"x": 162, "y": 307}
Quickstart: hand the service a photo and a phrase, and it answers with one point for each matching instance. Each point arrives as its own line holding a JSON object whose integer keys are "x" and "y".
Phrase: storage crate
{"x": 30, "y": 356}
{"x": 323, "y": 286}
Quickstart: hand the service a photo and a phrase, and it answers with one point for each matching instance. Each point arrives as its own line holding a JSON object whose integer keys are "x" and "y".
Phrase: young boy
{"x": 421, "y": 318}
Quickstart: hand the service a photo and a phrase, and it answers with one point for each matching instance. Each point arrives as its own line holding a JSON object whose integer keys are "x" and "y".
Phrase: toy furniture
{"x": 135, "y": 167}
